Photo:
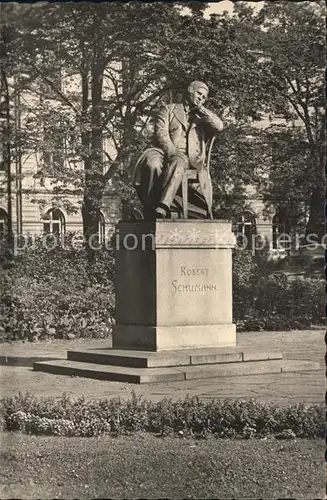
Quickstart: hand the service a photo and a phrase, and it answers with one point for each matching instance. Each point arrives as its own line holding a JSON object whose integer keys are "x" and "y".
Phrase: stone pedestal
{"x": 174, "y": 285}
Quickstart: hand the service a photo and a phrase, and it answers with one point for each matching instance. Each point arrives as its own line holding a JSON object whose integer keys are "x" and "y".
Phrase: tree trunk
{"x": 93, "y": 192}
{"x": 94, "y": 179}
{"x": 316, "y": 222}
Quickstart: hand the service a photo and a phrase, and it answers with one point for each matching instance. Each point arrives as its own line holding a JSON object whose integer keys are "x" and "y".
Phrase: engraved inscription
{"x": 184, "y": 286}
{"x": 193, "y": 271}
{"x": 198, "y": 287}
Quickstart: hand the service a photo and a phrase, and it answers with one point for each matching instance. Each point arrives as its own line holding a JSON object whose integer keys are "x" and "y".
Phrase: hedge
{"x": 57, "y": 294}
{"x": 263, "y": 300}
{"x": 188, "y": 417}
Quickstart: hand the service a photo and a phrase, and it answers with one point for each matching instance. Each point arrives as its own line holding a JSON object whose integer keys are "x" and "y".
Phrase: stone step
{"x": 169, "y": 374}
{"x": 298, "y": 365}
{"x": 107, "y": 372}
{"x": 249, "y": 368}
{"x": 181, "y": 357}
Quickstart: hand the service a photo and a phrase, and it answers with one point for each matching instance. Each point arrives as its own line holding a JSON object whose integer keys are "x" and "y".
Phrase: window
{"x": 53, "y": 158}
{"x": 53, "y": 155}
{"x": 246, "y": 229}
{"x": 3, "y": 222}
{"x": 281, "y": 233}
{"x": 54, "y": 222}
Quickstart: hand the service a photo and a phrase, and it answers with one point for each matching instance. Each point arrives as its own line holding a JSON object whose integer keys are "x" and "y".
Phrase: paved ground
{"x": 17, "y": 374}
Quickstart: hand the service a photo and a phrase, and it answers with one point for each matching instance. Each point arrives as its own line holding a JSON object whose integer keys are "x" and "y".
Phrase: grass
{"x": 144, "y": 466}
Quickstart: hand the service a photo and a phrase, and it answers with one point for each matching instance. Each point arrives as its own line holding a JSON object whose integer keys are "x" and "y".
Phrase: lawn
{"x": 145, "y": 466}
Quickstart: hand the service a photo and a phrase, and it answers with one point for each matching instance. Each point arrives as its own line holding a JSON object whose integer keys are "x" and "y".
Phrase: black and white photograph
{"x": 162, "y": 249}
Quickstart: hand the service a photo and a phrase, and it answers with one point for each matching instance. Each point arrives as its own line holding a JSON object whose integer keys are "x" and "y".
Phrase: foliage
{"x": 235, "y": 168}
{"x": 188, "y": 417}
{"x": 281, "y": 51}
{"x": 112, "y": 59}
{"x": 243, "y": 267}
{"x": 265, "y": 300}
{"x": 118, "y": 61}
{"x": 287, "y": 188}
{"x": 293, "y": 67}
{"x": 56, "y": 293}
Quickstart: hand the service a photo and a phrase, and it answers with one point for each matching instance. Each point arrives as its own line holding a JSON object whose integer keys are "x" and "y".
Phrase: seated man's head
{"x": 197, "y": 93}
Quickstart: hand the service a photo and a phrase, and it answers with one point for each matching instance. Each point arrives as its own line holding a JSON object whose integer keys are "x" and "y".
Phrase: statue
{"x": 181, "y": 133}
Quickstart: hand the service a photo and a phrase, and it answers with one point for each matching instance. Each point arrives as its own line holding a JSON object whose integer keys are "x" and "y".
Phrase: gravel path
{"x": 283, "y": 389}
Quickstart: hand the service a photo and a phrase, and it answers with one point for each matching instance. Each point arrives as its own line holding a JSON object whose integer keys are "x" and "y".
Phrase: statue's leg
{"x": 148, "y": 187}
{"x": 198, "y": 208}
{"x": 172, "y": 178}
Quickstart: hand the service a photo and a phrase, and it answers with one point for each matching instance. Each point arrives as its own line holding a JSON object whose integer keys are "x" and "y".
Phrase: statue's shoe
{"x": 160, "y": 213}
{"x": 135, "y": 214}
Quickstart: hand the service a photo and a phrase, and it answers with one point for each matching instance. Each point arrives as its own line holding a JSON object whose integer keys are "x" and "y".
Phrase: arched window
{"x": 3, "y": 222}
{"x": 102, "y": 229}
{"x": 54, "y": 222}
{"x": 281, "y": 239}
{"x": 246, "y": 229}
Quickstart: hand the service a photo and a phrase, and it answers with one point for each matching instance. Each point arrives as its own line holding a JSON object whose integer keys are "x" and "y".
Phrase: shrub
{"x": 188, "y": 417}
{"x": 57, "y": 294}
{"x": 263, "y": 300}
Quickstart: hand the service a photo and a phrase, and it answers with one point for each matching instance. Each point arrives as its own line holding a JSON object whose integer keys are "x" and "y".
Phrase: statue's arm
{"x": 211, "y": 120}
{"x": 161, "y": 132}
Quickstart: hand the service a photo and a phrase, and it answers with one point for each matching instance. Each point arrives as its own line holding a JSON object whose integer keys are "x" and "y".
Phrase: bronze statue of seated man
{"x": 180, "y": 135}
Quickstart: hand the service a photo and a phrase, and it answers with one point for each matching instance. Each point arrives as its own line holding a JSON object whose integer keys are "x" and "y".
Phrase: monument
{"x": 174, "y": 277}
{"x": 174, "y": 269}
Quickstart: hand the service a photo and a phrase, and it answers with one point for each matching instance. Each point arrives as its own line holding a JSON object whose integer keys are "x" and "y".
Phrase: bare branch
{"x": 56, "y": 90}
{"x": 113, "y": 168}
{"x": 142, "y": 104}
{"x": 150, "y": 111}
{"x": 292, "y": 101}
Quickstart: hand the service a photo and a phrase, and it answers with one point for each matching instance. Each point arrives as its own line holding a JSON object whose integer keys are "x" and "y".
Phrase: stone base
{"x": 160, "y": 338}
{"x": 174, "y": 285}
{"x": 167, "y": 366}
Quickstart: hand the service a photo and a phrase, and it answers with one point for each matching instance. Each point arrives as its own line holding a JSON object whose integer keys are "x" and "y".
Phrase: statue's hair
{"x": 197, "y": 84}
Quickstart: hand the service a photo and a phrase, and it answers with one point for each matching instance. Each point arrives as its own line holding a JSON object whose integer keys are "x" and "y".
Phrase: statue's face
{"x": 198, "y": 95}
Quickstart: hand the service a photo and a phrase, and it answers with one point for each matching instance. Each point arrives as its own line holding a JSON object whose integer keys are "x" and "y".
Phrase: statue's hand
{"x": 199, "y": 111}
{"x": 209, "y": 117}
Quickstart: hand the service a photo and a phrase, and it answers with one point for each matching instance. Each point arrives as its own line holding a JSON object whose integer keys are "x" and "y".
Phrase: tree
{"x": 121, "y": 45}
{"x": 8, "y": 21}
{"x": 145, "y": 52}
{"x": 6, "y": 123}
{"x": 253, "y": 62}
{"x": 288, "y": 187}
{"x": 277, "y": 56}
{"x": 290, "y": 40}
